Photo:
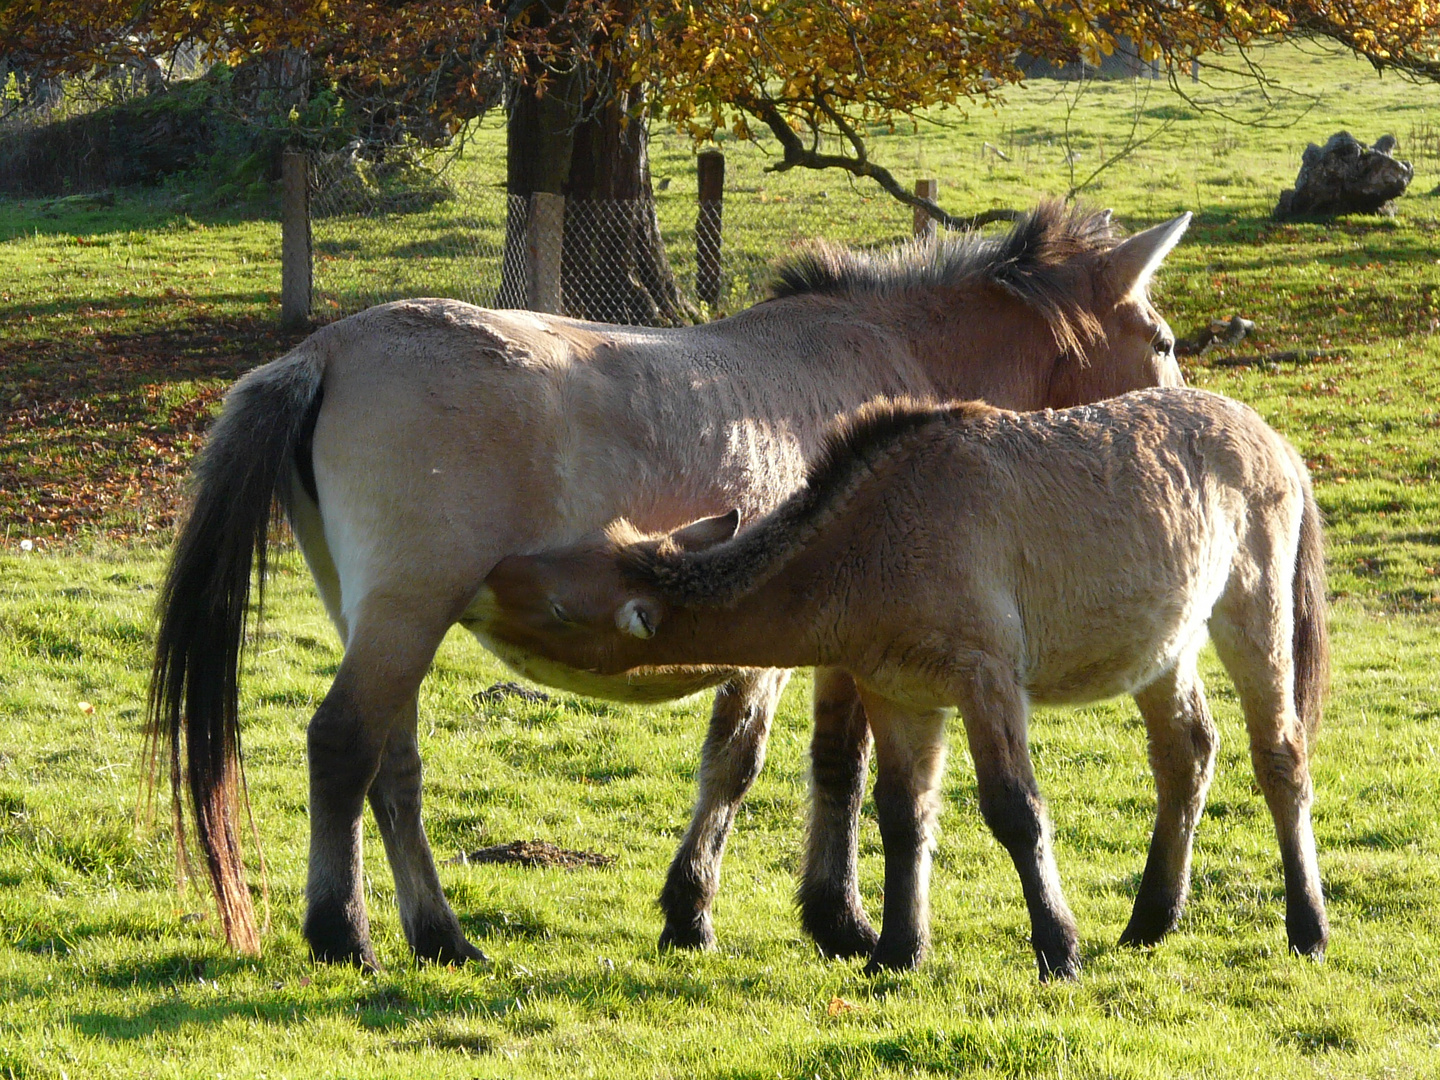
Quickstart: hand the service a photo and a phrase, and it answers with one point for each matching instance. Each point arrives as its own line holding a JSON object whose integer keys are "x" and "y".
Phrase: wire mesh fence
{"x": 382, "y": 234}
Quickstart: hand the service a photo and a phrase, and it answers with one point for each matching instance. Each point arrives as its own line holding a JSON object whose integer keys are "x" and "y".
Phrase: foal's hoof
{"x": 838, "y": 924}
{"x": 841, "y": 938}
{"x": 890, "y": 956}
{"x": 693, "y": 936}
{"x": 1151, "y": 920}
{"x": 844, "y": 940}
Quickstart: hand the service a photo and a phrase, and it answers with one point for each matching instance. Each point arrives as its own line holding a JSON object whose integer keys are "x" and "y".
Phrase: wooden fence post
{"x": 710, "y": 166}
{"x": 544, "y": 242}
{"x": 924, "y": 223}
{"x": 295, "y": 252}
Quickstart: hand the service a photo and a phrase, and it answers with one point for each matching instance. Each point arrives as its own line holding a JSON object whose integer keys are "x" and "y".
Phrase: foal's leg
{"x": 829, "y": 895}
{"x": 995, "y": 711}
{"x": 1182, "y": 757}
{"x": 910, "y": 758}
{"x": 430, "y": 924}
{"x": 1253, "y": 641}
{"x": 385, "y": 659}
{"x": 733, "y": 753}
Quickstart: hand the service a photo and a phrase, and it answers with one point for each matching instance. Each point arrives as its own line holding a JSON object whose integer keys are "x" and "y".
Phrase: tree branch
{"x": 797, "y": 155}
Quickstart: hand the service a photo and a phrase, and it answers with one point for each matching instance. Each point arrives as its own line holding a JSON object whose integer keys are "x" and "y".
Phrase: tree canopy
{"x": 815, "y": 74}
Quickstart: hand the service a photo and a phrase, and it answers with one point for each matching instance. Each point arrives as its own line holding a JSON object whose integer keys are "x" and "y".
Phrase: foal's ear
{"x": 707, "y": 532}
{"x": 638, "y": 617}
{"x": 1129, "y": 265}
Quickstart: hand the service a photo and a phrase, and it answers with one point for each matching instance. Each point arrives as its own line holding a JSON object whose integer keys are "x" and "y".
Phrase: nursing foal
{"x": 981, "y": 559}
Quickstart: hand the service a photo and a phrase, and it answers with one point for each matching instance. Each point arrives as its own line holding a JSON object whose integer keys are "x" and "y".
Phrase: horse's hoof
{"x": 1067, "y": 970}
{"x": 1058, "y": 964}
{"x": 1309, "y": 934}
{"x": 694, "y": 936}
{"x": 363, "y": 958}
{"x": 453, "y": 954}
{"x": 444, "y": 943}
{"x": 335, "y": 939}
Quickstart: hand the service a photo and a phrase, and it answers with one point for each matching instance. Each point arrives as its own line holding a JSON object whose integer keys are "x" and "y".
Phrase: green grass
{"x": 105, "y": 969}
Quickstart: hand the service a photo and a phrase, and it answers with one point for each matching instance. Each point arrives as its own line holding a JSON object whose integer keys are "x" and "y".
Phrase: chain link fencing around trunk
{"x": 381, "y": 234}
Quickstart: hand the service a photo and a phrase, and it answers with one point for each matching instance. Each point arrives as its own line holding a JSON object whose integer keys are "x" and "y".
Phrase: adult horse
{"x": 414, "y": 445}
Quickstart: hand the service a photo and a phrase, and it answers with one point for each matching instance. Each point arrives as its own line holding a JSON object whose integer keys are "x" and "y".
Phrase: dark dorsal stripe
{"x": 852, "y": 450}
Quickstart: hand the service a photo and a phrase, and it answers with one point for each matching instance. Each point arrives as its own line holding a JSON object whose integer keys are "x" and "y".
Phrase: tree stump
{"x": 1346, "y": 177}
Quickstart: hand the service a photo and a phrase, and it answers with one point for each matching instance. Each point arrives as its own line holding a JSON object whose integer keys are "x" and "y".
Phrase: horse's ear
{"x": 638, "y": 617}
{"x": 1130, "y": 264}
{"x": 707, "y": 532}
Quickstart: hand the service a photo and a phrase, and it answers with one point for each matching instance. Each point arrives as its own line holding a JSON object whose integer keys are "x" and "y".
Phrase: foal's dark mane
{"x": 1031, "y": 263}
{"x": 855, "y": 448}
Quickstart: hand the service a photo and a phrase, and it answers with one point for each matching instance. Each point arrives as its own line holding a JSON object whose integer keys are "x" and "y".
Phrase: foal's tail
{"x": 248, "y": 462}
{"x": 1311, "y": 647}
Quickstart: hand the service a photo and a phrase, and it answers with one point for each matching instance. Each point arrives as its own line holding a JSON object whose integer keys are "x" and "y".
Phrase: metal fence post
{"x": 544, "y": 242}
{"x": 295, "y": 256}
{"x": 924, "y": 223}
{"x": 710, "y": 166}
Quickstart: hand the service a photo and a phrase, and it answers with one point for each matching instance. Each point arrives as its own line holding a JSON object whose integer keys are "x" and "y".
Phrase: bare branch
{"x": 796, "y": 155}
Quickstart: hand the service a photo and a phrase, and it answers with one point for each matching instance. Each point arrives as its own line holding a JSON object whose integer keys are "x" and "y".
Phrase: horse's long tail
{"x": 1311, "y": 646}
{"x": 249, "y": 460}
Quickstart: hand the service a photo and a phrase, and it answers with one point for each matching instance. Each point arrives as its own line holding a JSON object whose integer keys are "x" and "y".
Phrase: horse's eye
{"x": 1163, "y": 344}
{"x": 561, "y": 615}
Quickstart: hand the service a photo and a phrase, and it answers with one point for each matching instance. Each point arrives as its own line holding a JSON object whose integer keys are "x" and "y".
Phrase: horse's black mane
{"x": 853, "y": 448}
{"x": 1030, "y": 262}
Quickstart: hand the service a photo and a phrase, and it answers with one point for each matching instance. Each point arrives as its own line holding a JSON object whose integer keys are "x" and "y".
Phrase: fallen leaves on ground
{"x": 97, "y": 433}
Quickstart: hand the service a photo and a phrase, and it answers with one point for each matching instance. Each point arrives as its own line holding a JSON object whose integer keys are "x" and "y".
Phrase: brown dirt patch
{"x": 533, "y": 853}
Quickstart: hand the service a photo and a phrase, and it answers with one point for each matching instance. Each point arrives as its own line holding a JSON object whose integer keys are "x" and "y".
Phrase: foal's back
{"x": 1090, "y": 545}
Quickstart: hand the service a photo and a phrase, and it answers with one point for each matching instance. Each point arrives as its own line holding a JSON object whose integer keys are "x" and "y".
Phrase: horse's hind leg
{"x": 1182, "y": 757}
{"x": 430, "y": 924}
{"x": 732, "y": 756}
{"x": 386, "y": 656}
{"x": 1253, "y": 639}
{"x": 910, "y": 758}
{"x": 829, "y": 895}
{"x": 995, "y": 711}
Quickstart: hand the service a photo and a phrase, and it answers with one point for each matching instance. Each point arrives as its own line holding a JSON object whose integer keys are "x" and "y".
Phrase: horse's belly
{"x": 641, "y": 686}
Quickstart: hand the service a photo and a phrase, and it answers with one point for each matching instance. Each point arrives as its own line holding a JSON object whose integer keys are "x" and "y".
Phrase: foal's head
{"x": 577, "y": 605}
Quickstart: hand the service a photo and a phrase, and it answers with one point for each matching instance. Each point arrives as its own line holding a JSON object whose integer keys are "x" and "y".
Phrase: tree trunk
{"x": 614, "y": 266}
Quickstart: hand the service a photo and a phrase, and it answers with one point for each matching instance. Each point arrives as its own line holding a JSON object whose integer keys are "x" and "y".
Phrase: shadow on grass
{"x": 134, "y": 210}
{"x": 201, "y": 344}
{"x": 383, "y": 1006}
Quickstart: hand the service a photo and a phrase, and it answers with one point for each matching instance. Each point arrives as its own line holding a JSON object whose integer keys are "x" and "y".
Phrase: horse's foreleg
{"x": 910, "y": 758}
{"x": 385, "y": 659}
{"x": 1248, "y": 639}
{"x": 995, "y": 710}
{"x": 829, "y": 893}
{"x": 430, "y": 924}
{"x": 1182, "y": 757}
{"x": 732, "y": 756}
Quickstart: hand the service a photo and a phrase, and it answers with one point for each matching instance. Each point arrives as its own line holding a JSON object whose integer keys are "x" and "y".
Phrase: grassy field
{"x": 120, "y": 326}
